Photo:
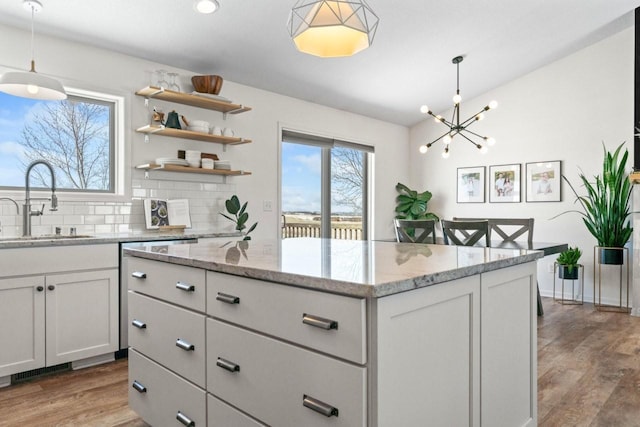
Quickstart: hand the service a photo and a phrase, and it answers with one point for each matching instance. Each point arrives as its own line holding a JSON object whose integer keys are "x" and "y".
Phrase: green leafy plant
{"x": 413, "y": 205}
{"x": 238, "y": 215}
{"x": 569, "y": 258}
{"x": 605, "y": 208}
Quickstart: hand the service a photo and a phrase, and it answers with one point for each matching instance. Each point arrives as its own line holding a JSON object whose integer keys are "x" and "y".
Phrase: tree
{"x": 74, "y": 137}
{"x": 347, "y": 178}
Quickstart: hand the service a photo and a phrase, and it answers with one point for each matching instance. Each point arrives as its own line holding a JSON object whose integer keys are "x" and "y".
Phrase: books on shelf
{"x": 159, "y": 213}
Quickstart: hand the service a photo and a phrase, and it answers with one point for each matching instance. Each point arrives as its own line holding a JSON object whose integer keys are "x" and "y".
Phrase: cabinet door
{"x": 509, "y": 354}
{"x": 21, "y": 324}
{"x": 82, "y": 315}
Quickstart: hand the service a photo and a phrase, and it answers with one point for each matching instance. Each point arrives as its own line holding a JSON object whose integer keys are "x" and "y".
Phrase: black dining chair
{"x": 466, "y": 233}
{"x": 507, "y": 229}
{"x": 415, "y": 230}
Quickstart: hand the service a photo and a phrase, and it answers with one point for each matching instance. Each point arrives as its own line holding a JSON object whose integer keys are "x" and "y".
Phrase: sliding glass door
{"x": 324, "y": 187}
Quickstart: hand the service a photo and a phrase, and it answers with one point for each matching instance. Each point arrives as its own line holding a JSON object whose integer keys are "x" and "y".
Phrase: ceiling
{"x": 409, "y": 63}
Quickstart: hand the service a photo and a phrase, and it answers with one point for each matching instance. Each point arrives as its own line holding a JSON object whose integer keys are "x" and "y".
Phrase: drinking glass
{"x": 162, "y": 81}
{"x": 173, "y": 85}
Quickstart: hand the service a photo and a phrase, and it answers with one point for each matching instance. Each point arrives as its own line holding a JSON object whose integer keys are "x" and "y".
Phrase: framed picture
{"x": 543, "y": 181}
{"x": 504, "y": 183}
{"x": 471, "y": 185}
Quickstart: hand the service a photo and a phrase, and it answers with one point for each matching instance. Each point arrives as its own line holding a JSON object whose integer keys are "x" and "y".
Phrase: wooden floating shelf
{"x": 188, "y": 169}
{"x": 634, "y": 177}
{"x": 193, "y": 100}
{"x": 188, "y": 134}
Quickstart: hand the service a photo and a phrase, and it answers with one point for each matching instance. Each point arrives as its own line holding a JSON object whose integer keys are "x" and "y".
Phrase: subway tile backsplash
{"x": 206, "y": 200}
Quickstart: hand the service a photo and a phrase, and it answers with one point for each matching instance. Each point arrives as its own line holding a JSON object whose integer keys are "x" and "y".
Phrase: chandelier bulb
{"x": 457, "y": 98}
{"x": 33, "y": 89}
{"x": 424, "y": 109}
{"x": 445, "y": 153}
{"x": 480, "y": 116}
{"x": 447, "y": 139}
{"x": 483, "y": 148}
{"x": 493, "y": 105}
{"x": 490, "y": 141}
{"x": 438, "y": 118}
{"x": 423, "y": 149}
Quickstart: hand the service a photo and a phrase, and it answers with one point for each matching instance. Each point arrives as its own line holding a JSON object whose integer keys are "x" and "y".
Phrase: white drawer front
{"x": 164, "y": 394}
{"x": 274, "y": 377}
{"x": 278, "y": 310}
{"x": 164, "y": 324}
{"x": 180, "y": 285}
{"x": 223, "y": 415}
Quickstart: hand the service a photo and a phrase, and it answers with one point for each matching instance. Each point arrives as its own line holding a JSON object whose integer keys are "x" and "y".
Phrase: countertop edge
{"x": 338, "y": 286}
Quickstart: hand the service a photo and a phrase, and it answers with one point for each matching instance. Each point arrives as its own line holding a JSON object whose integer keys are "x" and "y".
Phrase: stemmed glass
{"x": 162, "y": 81}
{"x": 173, "y": 85}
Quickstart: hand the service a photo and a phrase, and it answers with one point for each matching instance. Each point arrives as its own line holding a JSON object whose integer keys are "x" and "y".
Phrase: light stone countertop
{"x": 349, "y": 267}
{"x": 96, "y": 239}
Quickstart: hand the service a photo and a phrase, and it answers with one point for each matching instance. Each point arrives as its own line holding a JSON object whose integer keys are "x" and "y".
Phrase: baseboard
{"x": 93, "y": 361}
{"x": 5, "y": 381}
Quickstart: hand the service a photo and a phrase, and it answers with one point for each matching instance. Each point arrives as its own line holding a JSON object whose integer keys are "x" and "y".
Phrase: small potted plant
{"x": 240, "y": 216}
{"x": 568, "y": 263}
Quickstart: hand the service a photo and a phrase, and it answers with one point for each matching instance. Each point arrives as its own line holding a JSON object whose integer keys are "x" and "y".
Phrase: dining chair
{"x": 415, "y": 230}
{"x": 465, "y": 233}
{"x": 507, "y": 229}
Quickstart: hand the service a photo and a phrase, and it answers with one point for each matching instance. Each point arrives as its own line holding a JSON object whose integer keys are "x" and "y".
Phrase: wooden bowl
{"x": 207, "y": 84}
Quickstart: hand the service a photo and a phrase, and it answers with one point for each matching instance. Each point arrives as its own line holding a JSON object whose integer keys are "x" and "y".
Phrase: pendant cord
{"x": 33, "y": 63}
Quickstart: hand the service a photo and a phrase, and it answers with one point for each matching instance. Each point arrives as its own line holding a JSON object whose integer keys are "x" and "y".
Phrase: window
{"x": 77, "y": 136}
{"x": 324, "y": 187}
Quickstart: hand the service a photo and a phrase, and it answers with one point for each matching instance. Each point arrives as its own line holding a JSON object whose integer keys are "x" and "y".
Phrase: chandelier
{"x": 456, "y": 127}
{"x": 332, "y": 28}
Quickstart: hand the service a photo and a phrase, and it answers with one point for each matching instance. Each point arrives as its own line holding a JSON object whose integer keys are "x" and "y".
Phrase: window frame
{"x": 118, "y": 159}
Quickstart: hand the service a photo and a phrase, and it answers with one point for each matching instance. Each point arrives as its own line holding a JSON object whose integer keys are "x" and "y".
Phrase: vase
{"x": 566, "y": 274}
{"x": 611, "y": 256}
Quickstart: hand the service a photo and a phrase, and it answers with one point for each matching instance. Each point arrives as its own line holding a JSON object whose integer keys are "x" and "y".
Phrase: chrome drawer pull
{"x": 229, "y": 299}
{"x": 319, "y": 406}
{"x": 185, "y": 287}
{"x": 139, "y": 275}
{"x": 319, "y": 322}
{"x": 229, "y": 366}
{"x": 184, "y": 420}
{"x": 139, "y": 324}
{"x": 139, "y": 387}
{"x": 185, "y": 345}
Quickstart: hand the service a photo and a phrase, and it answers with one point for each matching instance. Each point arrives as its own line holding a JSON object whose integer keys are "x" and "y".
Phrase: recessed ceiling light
{"x": 206, "y": 6}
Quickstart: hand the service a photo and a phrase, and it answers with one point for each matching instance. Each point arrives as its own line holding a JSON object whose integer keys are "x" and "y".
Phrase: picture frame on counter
{"x": 504, "y": 183}
{"x": 544, "y": 181}
{"x": 471, "y": 185}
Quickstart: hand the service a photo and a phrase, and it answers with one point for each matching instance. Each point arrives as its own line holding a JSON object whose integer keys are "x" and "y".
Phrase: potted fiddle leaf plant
{"x": 238, "y": 215}
{"x": 413, "y": 205}
{"x": 605, "y": 208}
{"x": 568, "y": 263}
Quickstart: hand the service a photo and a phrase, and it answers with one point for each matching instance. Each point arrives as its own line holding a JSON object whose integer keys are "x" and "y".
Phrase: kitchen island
{"x": 319, "y": 332}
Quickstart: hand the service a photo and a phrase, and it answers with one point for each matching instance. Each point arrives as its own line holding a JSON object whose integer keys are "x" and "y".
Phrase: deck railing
{"x": 338, "y": 231}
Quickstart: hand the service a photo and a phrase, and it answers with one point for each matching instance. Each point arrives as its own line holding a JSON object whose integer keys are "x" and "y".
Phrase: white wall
{"x": 85, "y": 67}
{"x": 563, "y": 111}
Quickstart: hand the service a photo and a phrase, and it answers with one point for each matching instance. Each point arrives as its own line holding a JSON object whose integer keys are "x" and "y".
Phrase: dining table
{"x": 548, "y": 248}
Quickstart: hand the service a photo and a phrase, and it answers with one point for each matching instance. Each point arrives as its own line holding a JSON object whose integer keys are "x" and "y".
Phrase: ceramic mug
{"x": 216, "y": 130}
{"x": 227, "y": 132}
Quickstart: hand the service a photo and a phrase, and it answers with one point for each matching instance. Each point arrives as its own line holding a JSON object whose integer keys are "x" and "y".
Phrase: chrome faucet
{"x": 27, "y": 213}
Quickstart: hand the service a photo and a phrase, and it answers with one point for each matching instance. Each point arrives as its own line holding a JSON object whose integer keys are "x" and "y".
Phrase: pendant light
{"x": 457, "y": 127}
{"x": 29, "y": 84}
{"x": 332, "y": 28}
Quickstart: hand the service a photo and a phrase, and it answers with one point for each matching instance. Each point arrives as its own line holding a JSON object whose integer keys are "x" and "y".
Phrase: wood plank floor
{"x": 588, "y": 375}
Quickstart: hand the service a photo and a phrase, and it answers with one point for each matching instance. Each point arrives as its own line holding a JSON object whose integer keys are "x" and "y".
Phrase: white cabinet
{"x": 82, "y": 315}
{"x": 21, "y": 324}
{"x": 67, "y": 310}
{"x": 461, "y": 352}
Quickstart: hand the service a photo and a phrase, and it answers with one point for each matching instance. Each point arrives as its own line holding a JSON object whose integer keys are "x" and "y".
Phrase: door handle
{"x": 185, "y": 345}
{"x": 139, "y": 387}
{"x": 319, "y": 406}
{"x": 319, "y": 322}
{"x": 228, "y": 365}
{"x": 185, "y": 287}
{"x": 139, "y": 324}
{"x": 229, "y": 299}
{"x": 139, "y": 275}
